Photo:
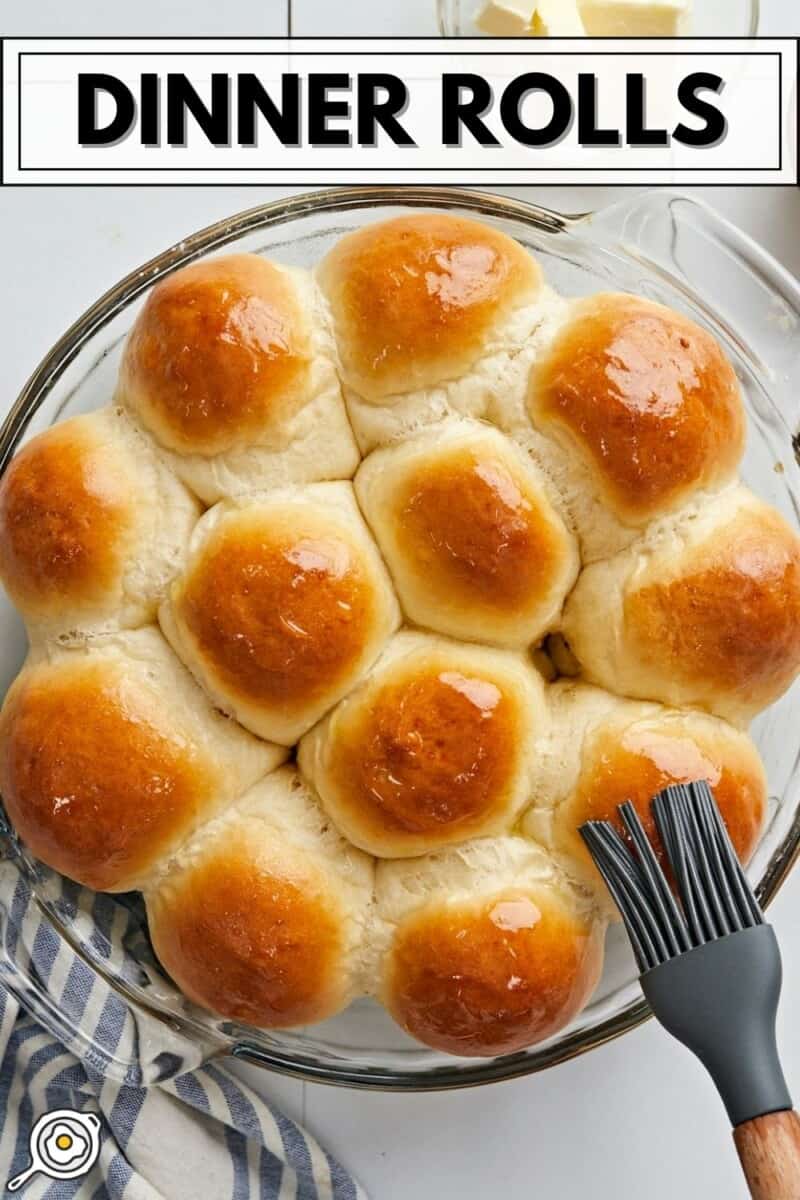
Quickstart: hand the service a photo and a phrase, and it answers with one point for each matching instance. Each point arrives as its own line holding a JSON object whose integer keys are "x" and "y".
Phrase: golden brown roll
{"x": 640, "y": 409}
{"x": 283, "y": 604}
{"x": 92, "y": 524}
{"x": 230, "y": 365}
{"x": 435, "y": 746}
{"x": 475, "y": 544}
{"x": 261, "y": 918}
{"x": 602, "y": 751}
{"x": 488, "y": 948}
{"x": 110, "y": 756}
{"x": 705, "y": 613}
{"x": 431, "y": 312}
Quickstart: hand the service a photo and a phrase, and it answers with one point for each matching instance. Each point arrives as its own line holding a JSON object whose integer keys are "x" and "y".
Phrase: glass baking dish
{"x": 710, "y": 18}
{"x": 660, "y": 244}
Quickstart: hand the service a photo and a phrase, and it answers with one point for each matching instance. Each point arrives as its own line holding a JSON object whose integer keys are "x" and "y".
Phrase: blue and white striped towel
{"x": 171, "y": 1127}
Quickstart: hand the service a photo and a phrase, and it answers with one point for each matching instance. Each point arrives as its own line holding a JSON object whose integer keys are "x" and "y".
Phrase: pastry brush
{"x": 710, "y": 968}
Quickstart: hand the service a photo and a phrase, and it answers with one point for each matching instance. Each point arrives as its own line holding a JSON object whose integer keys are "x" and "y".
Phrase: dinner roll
{"x": 261, "y": 917}
{"x": 603, "y": 751}
{"x": 432, "y": 312}
{"x": 283, "y": 604}
{"x": 475, "y": 544}
{"x": 640, "y": 409}
{"x": 230, "y": 366}
{"x": 92, "y": 525}
{"x": 110, "y": 756}
{"x": 490, "y": 950}
{"x": 706, "y": 613}
{"x": 436, "y": 745}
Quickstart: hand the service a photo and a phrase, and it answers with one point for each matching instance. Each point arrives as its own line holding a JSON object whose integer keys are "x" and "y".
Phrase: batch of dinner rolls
{"x": 368, "y": 587}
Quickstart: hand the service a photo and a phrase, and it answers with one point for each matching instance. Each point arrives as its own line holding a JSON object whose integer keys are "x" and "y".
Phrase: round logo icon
{"x": 63, "y": 1145}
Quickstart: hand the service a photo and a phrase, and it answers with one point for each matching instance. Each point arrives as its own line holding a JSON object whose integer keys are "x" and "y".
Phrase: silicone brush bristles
{"x": 714, "y": 898}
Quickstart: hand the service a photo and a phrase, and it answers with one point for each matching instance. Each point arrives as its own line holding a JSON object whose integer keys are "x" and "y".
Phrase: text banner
{"x": 85, "y": 111}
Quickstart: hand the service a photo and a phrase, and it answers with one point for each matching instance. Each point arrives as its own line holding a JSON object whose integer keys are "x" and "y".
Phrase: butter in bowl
{"x": 585, "y": 18}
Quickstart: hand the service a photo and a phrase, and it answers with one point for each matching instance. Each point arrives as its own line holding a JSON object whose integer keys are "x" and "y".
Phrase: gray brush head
{"x": 710, "y": 966}
{"x": 715, "y": 897}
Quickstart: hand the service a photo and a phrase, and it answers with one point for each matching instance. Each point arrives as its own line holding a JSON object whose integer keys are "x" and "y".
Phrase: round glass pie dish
{"x": 710, "y": 18}
{"x": 660, "y": 245}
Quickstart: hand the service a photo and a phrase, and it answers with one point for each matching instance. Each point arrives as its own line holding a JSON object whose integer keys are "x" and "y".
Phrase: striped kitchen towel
{"x": 169, "y": 1124}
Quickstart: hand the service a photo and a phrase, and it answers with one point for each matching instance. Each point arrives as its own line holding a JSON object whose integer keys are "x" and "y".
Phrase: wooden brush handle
{"x": 769, "y": 1150}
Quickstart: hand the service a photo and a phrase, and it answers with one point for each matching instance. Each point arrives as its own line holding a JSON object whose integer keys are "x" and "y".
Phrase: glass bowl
{"x": 711, "y": 18}
{"x": 661, "y": 244}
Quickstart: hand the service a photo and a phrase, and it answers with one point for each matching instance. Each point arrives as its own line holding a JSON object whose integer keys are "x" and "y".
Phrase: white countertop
{"x": 636, "y": 1118}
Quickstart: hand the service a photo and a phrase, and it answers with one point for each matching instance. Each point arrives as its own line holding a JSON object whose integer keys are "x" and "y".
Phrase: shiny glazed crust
{"x": 415, "y": 299}
{"x": 646, "y": 398}
{"x": 110, "y": 757}
{"x": 436, "y": 746}
{"x": 492, "y": 978}
{"x": 220, "y": 351}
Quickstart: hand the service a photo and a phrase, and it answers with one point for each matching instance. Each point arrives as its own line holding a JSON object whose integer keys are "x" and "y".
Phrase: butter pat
{"x": 636, "y": 18}
{"x": 506, "y": 18}
{"x": 557, "y": 18}
{"x": 529, "y": 18}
